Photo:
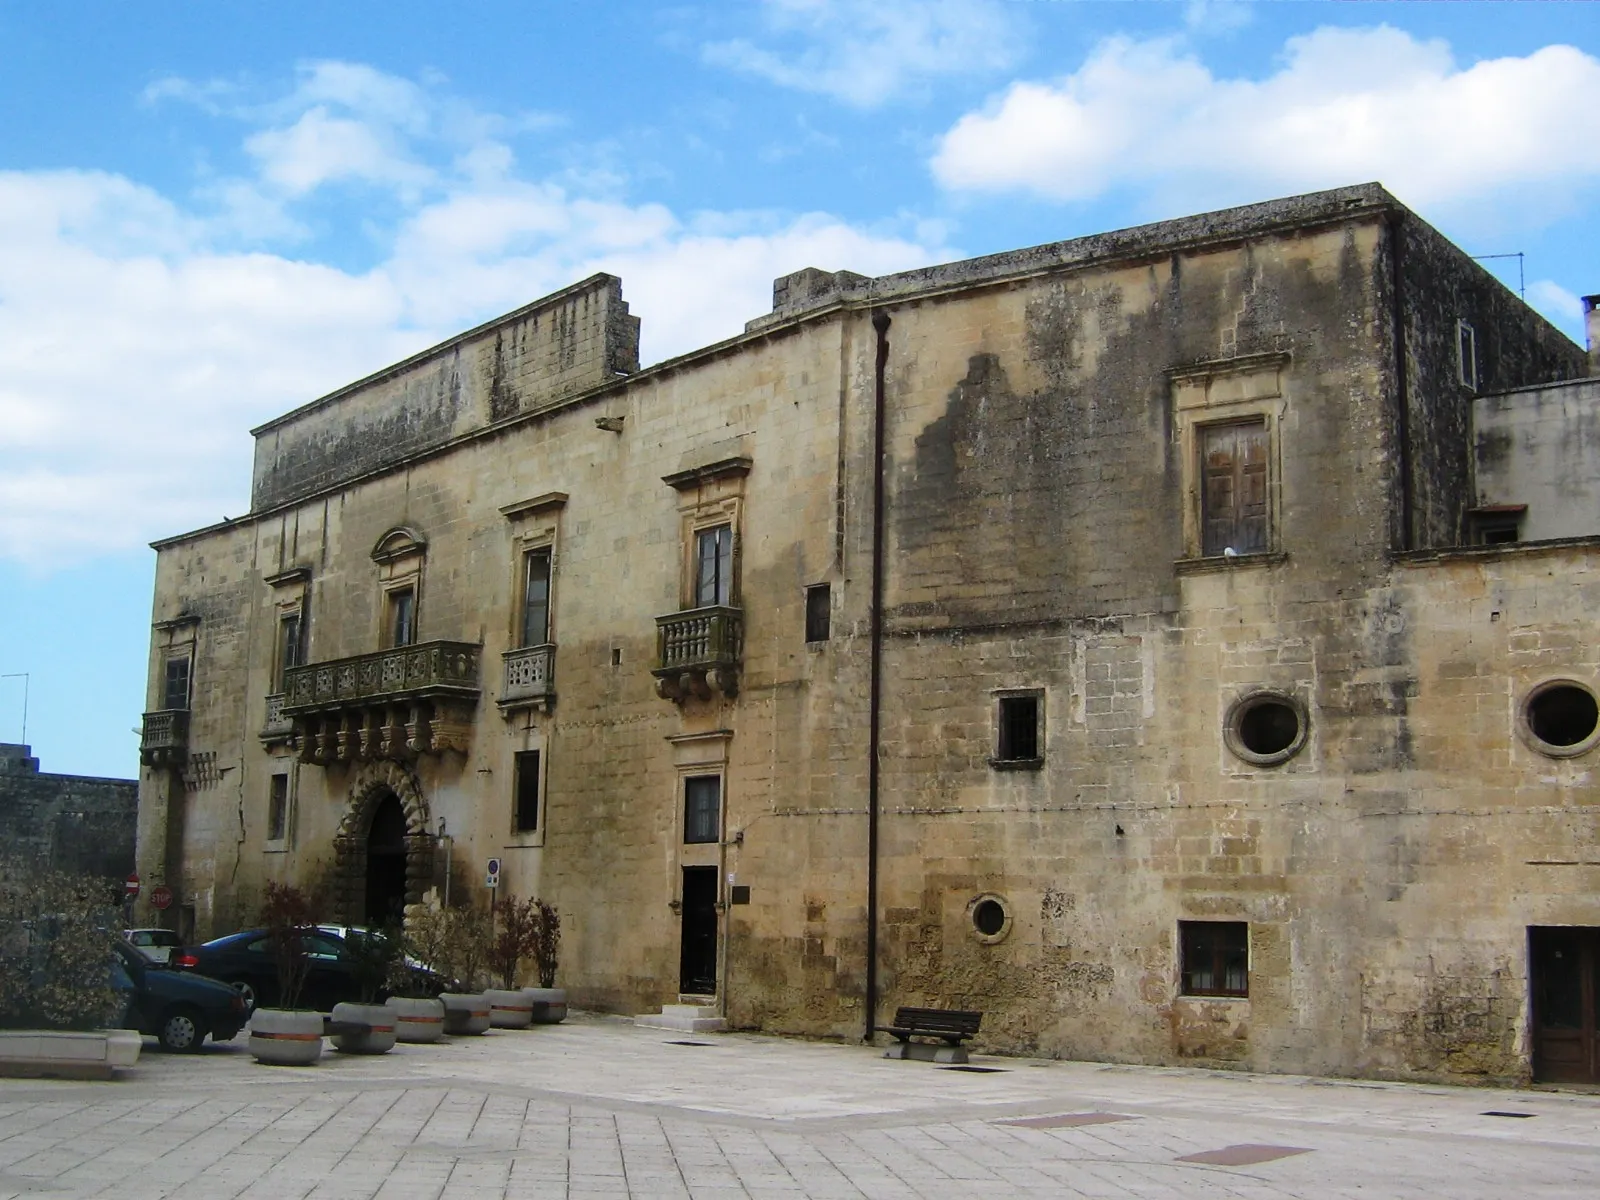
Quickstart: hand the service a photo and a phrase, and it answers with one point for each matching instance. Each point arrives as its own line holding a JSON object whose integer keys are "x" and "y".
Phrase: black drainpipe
{"x": 1401, "y": 379}
{"x": 880, "y": 323}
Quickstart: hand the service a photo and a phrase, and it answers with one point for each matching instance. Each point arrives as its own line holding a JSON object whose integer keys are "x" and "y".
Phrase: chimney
{"x": 1591, "y": 325}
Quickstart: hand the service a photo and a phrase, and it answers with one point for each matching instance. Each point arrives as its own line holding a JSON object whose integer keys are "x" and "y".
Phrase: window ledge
{"x": 1017, "y": 764}
{"x": 1212, "y": 997}
{"x": 536, "y": 844}
{"x": 1229, "y": 562}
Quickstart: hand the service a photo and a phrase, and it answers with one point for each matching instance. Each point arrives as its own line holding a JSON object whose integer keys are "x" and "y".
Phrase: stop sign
{"x": 130, "y": 886}
{"x": 161, "y": 896}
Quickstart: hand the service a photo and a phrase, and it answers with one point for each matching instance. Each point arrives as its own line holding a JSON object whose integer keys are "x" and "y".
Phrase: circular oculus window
{"x": 1561, "y": 718}
{"x": 991, "y": 918}
{"x": 1266, "y": 728}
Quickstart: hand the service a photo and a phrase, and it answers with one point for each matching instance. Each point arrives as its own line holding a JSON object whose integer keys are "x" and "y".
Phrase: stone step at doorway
{"x": 692, "y": 1014}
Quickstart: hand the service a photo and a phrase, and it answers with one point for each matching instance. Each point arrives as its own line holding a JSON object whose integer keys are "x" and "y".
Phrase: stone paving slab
{"x": 596, "y": 1107}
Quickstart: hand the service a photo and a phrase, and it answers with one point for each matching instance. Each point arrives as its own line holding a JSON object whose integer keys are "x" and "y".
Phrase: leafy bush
{"x": 516, "y": 939}
{"x": 287, "y": 915}
{"x": 56, "y": 932}
{"x": 373, "y": 954}
{"x": 454, "y": 942}
{"x": 547, "y": 944}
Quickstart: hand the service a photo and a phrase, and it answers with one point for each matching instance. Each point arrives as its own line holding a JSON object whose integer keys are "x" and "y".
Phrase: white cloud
{"x": 1560, "y": 307}
{"x": 865, "y": 51}
{"x": 140, "y": 338}
{"x": 319, "y": 148}
{"x": 1344, "y": 106}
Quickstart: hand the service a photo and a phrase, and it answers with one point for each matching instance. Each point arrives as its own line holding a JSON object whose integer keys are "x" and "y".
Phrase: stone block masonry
{"x": 76, "y": 823}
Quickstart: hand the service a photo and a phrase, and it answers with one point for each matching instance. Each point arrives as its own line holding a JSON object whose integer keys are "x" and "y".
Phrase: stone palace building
{"x": 1178, "y": 643}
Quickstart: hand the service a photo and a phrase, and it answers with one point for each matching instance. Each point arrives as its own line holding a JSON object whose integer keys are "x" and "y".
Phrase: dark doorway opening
{"x": 697, "y": 971}
{"x": 1564, "y": 973}
{"x": 386, "y": 863}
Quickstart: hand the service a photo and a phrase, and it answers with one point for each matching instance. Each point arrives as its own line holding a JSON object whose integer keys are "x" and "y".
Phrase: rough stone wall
{"x": 575, "y": 340}
{"x": 77, "y": 823}
{"x": 1040, "y": 494}
{"x": 1541, "y": 447}
{"x": 1439, "y": 286}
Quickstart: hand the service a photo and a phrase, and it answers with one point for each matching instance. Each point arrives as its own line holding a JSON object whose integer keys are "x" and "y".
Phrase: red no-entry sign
{"x": 130, "y": 886}
{"x": 161, "y": 897}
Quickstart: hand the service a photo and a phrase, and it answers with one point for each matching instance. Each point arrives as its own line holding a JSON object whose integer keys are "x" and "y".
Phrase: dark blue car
{"x": 178, "y": 1007}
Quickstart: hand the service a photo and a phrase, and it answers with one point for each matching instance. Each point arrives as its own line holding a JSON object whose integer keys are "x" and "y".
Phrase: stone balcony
{"x": 394, "y": 704}
{"x": 698, "y": 653}
{"x": 164, "y": 739}
{"x": 277, "y": 727}
{"x": 530, "y": 678}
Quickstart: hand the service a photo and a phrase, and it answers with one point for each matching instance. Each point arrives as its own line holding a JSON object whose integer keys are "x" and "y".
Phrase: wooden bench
{"x": 951, "y": 1026}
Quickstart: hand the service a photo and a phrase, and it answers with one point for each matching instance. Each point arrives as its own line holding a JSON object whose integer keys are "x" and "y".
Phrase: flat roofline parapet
{"x": 804, "y": 291}
{"x": 597, "y": 280}
{"x": 1292, "y": 212}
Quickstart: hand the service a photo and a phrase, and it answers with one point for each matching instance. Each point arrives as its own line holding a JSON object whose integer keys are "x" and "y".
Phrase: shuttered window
{"x": 1233, "y": 482}
{"x": 713, "y": 582}
{"x": 536, "y": 597}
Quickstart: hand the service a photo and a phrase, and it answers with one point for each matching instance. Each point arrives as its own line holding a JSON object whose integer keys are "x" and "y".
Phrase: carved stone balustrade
{"x": 698, "y": 653}
{"x": 389, "y": 704}
{"x": 277, "y": 728}
{"x": 530, "y": 680}
{"x": 164, "y": 738}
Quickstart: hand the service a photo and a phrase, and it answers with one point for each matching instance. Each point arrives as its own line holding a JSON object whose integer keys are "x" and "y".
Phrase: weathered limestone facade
{"x": 1201, "y": 720}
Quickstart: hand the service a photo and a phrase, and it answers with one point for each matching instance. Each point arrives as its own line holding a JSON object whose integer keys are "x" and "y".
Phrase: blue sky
{"x": 212, "y": 213}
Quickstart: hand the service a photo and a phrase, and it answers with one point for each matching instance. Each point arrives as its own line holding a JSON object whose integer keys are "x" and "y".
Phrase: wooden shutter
{"x": 1233, "y": 482}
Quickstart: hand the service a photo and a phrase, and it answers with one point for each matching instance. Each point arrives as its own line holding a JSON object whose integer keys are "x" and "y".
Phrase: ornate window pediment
{"x": 398, "y": 543}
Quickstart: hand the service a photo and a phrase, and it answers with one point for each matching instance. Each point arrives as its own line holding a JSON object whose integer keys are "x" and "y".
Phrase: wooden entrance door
{"x": 698, "y": 963}
{"x": 1564, "y": 972}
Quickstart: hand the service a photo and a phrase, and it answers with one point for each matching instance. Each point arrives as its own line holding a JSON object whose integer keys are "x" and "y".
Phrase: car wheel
{"x": 182, "y": 1030}
{"x": 246, "y": 992}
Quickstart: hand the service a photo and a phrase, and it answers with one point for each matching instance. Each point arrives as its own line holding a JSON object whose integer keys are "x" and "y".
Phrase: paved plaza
{"x": 596, "y": 1107}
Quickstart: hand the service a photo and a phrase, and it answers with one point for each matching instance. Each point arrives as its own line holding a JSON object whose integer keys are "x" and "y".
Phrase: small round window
{"x": 991, "y": 919}
{"x": 1561, "y": 718}
{"x": 1266, "y": 728}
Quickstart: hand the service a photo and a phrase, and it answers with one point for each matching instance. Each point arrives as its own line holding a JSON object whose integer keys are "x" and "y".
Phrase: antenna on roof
{"x": 1522, "y": 289}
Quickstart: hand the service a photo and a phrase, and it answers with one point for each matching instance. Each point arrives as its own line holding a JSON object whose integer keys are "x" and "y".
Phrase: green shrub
{"x": 56, "y": 933}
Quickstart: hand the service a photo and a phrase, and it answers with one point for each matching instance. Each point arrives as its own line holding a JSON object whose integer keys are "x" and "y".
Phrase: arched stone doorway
{"x": 383, "y": 852}
{"x": 386, "y": 863}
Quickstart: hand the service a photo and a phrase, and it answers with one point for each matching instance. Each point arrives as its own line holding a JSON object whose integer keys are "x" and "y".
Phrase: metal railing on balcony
{"x": 164, "y": 738}
{"x": 530, "y": 676}
{"x": 426, "y": 669}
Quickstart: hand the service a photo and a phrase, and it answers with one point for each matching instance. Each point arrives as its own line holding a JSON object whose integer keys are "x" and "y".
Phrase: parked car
{"x": 245, "y": 961}
{"x": 178, "y": 1007}
{"x": 157, "y": 944}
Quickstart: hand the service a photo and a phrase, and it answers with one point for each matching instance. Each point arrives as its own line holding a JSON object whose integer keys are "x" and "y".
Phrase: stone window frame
{"x": 1231, "y": 391}
{"x": 535, "y": 526}
{"x": 179, "y": 638}
{"x": 981, "y": 900}
{"x": 719, "y": 821}
{"x": 521, "y": 838}
{"x": 709, "y": 495}
{"x": 693, "y": 754}
{"x": 291, "y": 777}
{"x": 1467, "y": 371}
{"x": 1525, "y": 728}
{"x": 1186, "y": 927}
{"x": 1243, "y": 703}
{"x": 818, "y": 617}
{"x": 400, "y": 554}
{"x": 1001, "y": 695}
{"x": 291, "y": 591}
